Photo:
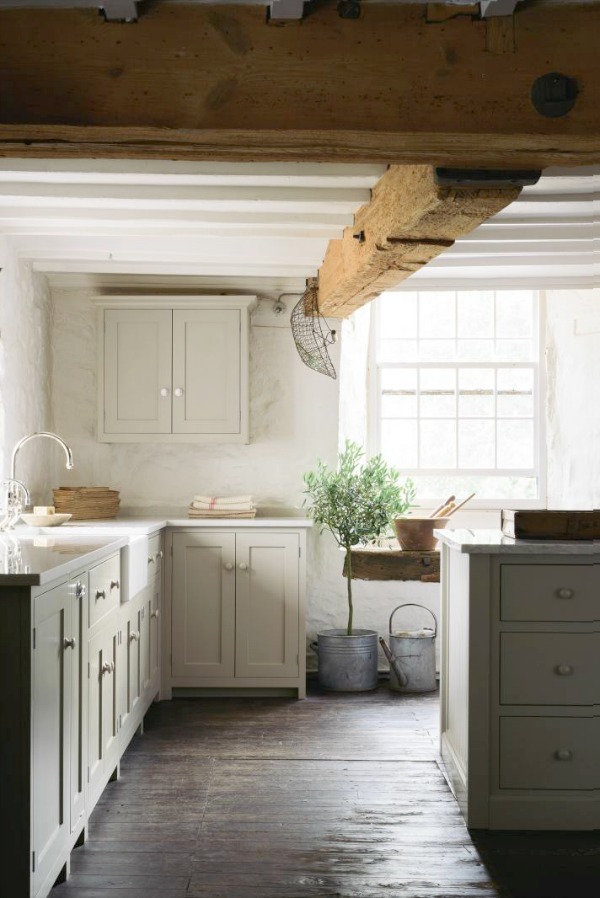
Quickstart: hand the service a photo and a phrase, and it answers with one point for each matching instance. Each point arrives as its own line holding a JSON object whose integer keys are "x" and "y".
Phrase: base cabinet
{"x": 520, "y": 693}
{"x": 102, "y": 706}
{"x": 237, "y": 609}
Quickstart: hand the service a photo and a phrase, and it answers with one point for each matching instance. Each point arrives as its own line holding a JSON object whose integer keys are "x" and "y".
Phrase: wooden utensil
{"x": 460, "y": 505}
{"x": 438, "y": 512}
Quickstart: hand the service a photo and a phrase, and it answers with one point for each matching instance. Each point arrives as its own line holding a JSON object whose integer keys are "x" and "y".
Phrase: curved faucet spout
{"x": 41, "y": 433}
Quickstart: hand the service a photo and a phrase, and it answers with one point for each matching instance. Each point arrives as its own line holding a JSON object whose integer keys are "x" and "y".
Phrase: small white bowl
{"x": 45, "y": 520}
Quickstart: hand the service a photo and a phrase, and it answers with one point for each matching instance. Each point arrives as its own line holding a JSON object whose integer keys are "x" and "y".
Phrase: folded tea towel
{"x": 222, "y": 500}
{"x": 222, "y": 506}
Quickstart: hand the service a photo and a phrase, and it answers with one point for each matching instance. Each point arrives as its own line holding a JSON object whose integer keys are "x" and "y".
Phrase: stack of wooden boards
{"x": 547, "y": 524}
{"x": 221, "y": 507}
{"x": 87, "y": 503}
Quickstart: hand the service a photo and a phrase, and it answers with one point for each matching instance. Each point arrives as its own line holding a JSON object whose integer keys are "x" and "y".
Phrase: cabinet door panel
{"x": 206, "y": 369}
{"x": 51, "y": 731}
{"x": 203, "y": 614}
{"x": 155, "y": 630}
{"x": 267, "y": 605}
{"x": 137, "y": 366}
{"x": 102, "y": 704}
{"x": 79, "y": 626}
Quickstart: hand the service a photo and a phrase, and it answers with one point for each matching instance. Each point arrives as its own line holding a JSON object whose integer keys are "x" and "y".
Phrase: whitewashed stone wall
{"x": 25, "y": 371}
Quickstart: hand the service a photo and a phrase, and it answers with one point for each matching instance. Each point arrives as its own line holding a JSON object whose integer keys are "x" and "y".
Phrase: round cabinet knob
{"x": 179, "y": 392}
{"x": 564, "y": 670}
{"x": 100, "y": 594}
{"x": 134, "y": 636}
{"x": 563, "y": 754}
{"x": 150, "y": 559}
{"x": 70, "y": 643}
{"x": 565, "y": 593}
{"x": 228, "y": 566}
{"x": 158, "y": 556}
{"x": 165, "y": 391}
{"x": 107, "y": 667}
{"x": 243, "y": 566}
{"x": 80, "y": 591}
{"x": 114, "y": 584}
{"x": 155, "y": 614}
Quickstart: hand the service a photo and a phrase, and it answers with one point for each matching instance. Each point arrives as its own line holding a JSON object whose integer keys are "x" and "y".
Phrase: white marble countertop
{"x": 34, "y": 556}
{"x": 37, "y": 559}
{"x": 493, "y": 542}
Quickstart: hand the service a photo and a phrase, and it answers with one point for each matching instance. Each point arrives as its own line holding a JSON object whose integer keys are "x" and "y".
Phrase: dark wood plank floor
{"x": 334, "y": 796}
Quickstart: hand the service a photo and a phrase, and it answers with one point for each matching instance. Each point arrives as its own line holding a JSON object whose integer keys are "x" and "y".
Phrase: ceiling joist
{"x": 200, "y": 81}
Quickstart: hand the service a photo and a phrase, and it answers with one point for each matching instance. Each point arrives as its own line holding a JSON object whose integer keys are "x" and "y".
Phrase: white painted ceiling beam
{"x": 131, "y": 267}
{"x": 241, "y": 174}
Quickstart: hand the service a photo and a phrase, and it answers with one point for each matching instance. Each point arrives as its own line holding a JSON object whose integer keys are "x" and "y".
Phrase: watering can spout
{"x": 402, "y": 679}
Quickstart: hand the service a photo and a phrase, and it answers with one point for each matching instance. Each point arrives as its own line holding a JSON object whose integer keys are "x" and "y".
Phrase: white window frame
{"x": 539, "y": 468}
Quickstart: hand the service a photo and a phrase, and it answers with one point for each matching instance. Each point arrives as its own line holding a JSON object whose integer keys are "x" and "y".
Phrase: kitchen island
{"x": 520, "y": 680}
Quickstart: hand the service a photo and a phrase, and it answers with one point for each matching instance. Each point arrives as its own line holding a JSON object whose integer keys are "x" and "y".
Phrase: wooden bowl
{"x": 416, "y": 534}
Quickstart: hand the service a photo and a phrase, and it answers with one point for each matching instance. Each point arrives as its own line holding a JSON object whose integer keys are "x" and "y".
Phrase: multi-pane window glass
{"x": 457, "y": 382}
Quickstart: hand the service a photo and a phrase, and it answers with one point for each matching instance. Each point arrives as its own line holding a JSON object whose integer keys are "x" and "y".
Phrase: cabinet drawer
{"x": 549, "y": 753}
{"x": 155, "y": 556}
{"x": 553, "y": 592}
{"x": 549, "y": 668}
{"x": 105, "y": 589}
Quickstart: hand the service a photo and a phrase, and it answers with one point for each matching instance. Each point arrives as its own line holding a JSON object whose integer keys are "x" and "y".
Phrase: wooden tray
{"x": 548, "y": 524}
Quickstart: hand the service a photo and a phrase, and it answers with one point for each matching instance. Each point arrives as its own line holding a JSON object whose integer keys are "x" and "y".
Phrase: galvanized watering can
{"x": 411, "y": 654}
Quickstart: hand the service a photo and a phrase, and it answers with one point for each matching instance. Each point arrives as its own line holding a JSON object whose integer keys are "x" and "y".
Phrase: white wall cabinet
{"x": 174, "y": 372}
{"x": 520, "y": 693}
{"x": 237, "y": 609}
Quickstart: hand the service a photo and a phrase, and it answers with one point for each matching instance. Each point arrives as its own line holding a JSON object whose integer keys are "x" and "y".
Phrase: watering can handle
{"x": 314, "y": 646}
{"x": 413, "y": 605}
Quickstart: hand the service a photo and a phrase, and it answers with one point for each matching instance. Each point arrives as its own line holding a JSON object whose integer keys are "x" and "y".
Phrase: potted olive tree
{"x": 356, "y": 503}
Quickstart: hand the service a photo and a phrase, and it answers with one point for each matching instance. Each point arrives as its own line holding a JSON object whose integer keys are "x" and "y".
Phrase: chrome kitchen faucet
{"x": 16, "y": 493}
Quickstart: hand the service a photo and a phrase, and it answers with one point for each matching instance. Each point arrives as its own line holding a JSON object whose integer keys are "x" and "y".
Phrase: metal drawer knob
{"x": 164, "y": 391}
{"x": 114, "y": 584}
{"x": 150, "y": 559}
{"x": 158, "y": 555}
{"x": 108, "y": 667}
{"x": 564, "y": 670}
{"x": 179, "y": 392}
{"x": 563, "y": 754}
{"x": 565, "y": 593}
{"x": 155, "y": 614}
{"x": 100, "y": 594}
{"x": 70, "y": 642}
{"x": 243, "y": 566}
{"x": 80, "y": 591}
{"x": 134, "y": 636}
{"x": 228, "y": 566}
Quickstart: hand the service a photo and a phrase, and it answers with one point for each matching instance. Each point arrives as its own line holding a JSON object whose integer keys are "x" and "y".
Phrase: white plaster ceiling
{"x": 269, "y": 224}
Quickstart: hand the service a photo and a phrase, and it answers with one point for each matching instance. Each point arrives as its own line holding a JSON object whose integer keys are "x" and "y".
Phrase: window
{"x": 455, "y": 392}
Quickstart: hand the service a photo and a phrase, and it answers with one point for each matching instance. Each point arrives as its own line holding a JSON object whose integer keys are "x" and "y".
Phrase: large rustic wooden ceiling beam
{"x": 410, "y": 220}
{"x": 195, "y": 81}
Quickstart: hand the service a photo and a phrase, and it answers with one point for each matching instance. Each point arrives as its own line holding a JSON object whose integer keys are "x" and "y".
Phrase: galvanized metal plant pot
{"x": 347, "y": 663}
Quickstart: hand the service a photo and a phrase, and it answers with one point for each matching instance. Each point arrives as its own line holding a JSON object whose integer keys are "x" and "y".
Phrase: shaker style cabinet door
{"x": 267, "y": 597}
{"x": 51, "y": 715}
{"x": 206, "y": 371}
{"x": 203, "y": 605}
{"x": 137, "y": 370}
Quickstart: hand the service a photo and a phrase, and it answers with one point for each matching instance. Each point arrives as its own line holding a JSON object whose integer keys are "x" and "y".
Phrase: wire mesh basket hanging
{"x": 312, "y": 335}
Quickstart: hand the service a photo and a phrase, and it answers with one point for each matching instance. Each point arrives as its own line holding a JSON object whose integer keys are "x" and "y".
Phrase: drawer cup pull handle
{"x": 565, "y": 593}
{"x": 114, "y": 584}
{"x": 563, "y": 754}
{"x": 100, "y": 594}
{"x": 564, "y": 670}
{"x": 70, "y": 642}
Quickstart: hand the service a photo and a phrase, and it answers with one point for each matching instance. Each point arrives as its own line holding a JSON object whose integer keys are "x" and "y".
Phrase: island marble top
{"x": 493, "y": 542}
